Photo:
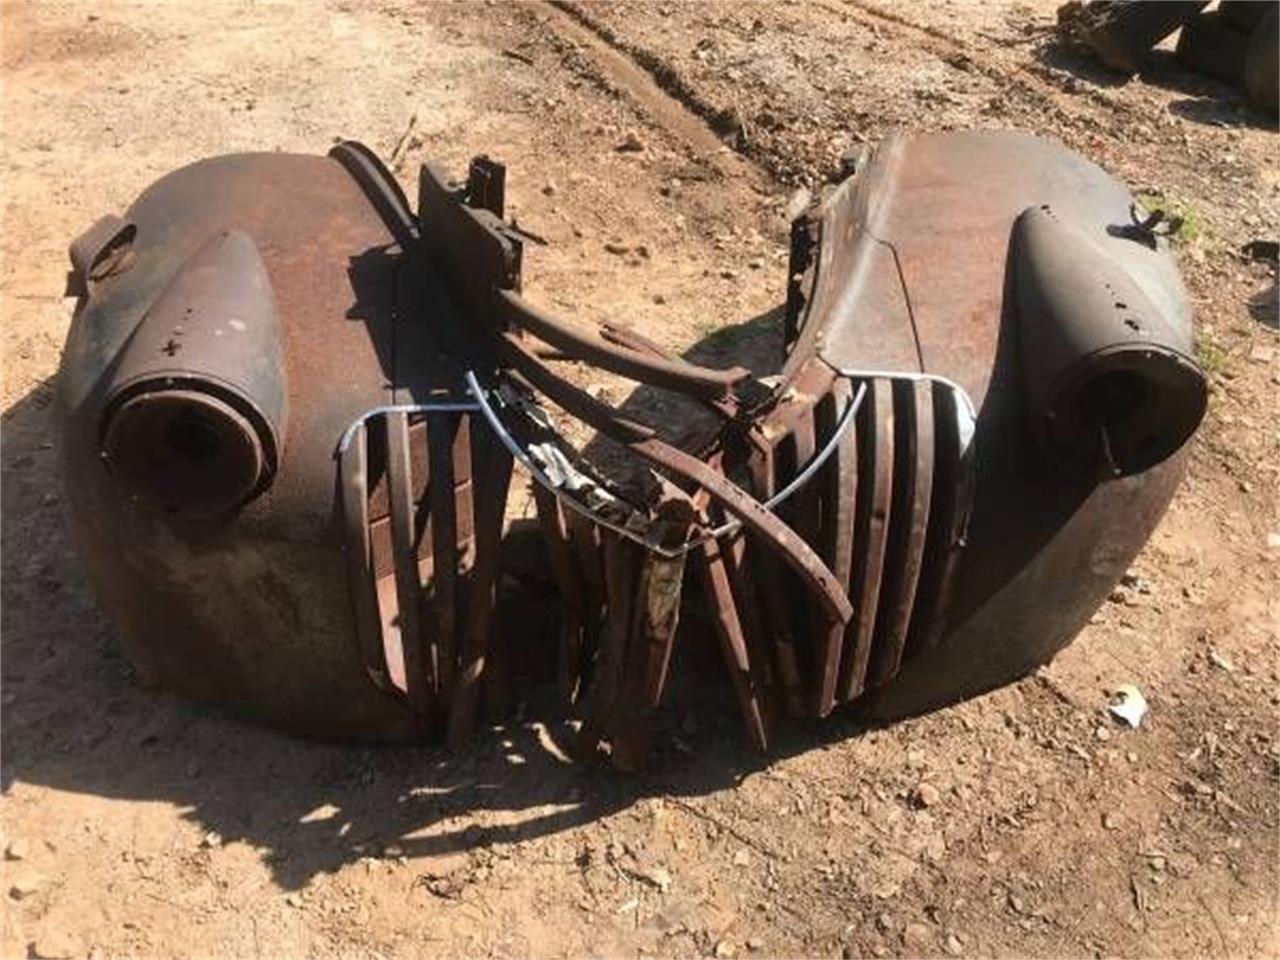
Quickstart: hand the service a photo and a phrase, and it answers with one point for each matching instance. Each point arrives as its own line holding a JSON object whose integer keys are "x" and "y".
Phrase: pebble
{"x": 1110, "y": 821}
{"x": 742, "y": 858}
{"x": 616, "y": 248}
{"x": 631, "y": 143}
{"x": 756, "y": 264}
{"x": 549, "y": 188}
{"x": 1221, "y": 662}
{"x": 1102, "y": 733}
{"x": 211, "y": 840}
{"x": 293, "y": 900}
{"x": 953, "y": 946}
{"x": 725, "y": 949}
{"x": 917, "y": 936}
{"x": 659, "y": 299}
{"x": 927, "y": 795}
{"x": 441, "y": 866}
{"x": 24, "y": 883}
{"x": 1262, "y": 353}
{"x": 56, "y": 946}
{"x": 18, "y": 849}
{"x": 755, "y": 943}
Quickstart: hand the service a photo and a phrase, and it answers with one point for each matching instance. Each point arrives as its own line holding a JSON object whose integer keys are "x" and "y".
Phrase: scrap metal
{"x": 293, "y": 409}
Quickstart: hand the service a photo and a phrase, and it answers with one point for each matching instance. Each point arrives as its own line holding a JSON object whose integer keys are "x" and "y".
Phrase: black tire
{"x": 1262, "y": 62}
{"x": 1122, "y": 33}
{"x": 1245, "y": 14}
{"x": 1212, "y": 46}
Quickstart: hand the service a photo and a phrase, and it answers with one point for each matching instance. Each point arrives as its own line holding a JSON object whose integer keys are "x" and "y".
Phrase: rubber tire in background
{"x": 1212, "y": 46}
{"x": 1121, "y": 33}
{"x": 1245, "y": 14}
{"x": 1262, "y": 62}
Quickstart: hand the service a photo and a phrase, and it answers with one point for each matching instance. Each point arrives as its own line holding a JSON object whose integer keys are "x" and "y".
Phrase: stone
{"x": 18, "y": 849}
{"x": 917, "y": 937}
{"x": 444, "y": 865}
{"x": 631, "y": 143}
{"x": 56, "y": 945}
{"x": 24, "y": 883}
{"x": 927, "y": 795}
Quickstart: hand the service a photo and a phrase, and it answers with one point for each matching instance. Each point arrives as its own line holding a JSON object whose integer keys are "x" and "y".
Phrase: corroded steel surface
{"x": 914, "y": 511}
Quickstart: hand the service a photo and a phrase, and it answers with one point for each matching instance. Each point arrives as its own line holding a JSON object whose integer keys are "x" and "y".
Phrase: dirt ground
{"x": 138, "y": 825}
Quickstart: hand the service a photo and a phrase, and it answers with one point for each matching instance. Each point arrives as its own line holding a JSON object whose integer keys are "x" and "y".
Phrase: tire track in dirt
{"x": 663, "y": 94}
{"x": 962, "y": 55}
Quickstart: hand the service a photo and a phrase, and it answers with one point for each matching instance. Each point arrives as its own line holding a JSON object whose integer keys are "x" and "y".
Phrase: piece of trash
{"x": 1128, "y": 705}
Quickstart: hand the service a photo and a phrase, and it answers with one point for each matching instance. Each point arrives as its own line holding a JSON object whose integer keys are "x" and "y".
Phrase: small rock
{"x": 953, "y": 946}
{"x": 916, "y": 936}
{"x": 755, "y": 943}
{"x": 293, "y": 900}
{"x": 798, "y": 203}
{"x": 658, "y": 877}
{"x": 926, "y": 795}
{"x": 725, "y": 949}
{"x": 1273, "y": 541}
{"x": 659, "y": 299}
{"x": 211, "y": 839}
{"x": 631, "y": 143}
{"x": 1110, "y": 821}
{"x": 616, "y": 248}
{"x": 24, "y": 883}
{"x": 729, "y": 274}
{"x": 56, "y": 946}
{"x": 756, "y": 264}
{"x": 439, "y": 867}
{"x": 1221, "y": 662}
{"x": 742, "y": 858}
{"x": 1262, "y": 353}
{"x": 1102, "y": 733}
{"x": 549, "y": 188}
{"x": 18, "y": 849}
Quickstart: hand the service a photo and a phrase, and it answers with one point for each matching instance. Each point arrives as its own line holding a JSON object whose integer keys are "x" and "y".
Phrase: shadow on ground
{"x": 75, "y": 719}
{"x": 1205, "y": 100}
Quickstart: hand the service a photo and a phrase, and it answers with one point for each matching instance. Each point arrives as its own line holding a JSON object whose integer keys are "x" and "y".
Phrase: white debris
{"x": 1128, "y": 705}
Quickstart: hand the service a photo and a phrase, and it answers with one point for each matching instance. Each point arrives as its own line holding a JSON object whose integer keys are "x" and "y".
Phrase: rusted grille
{"x": 423, "y": 500}
{"x": 886, "y": 512}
